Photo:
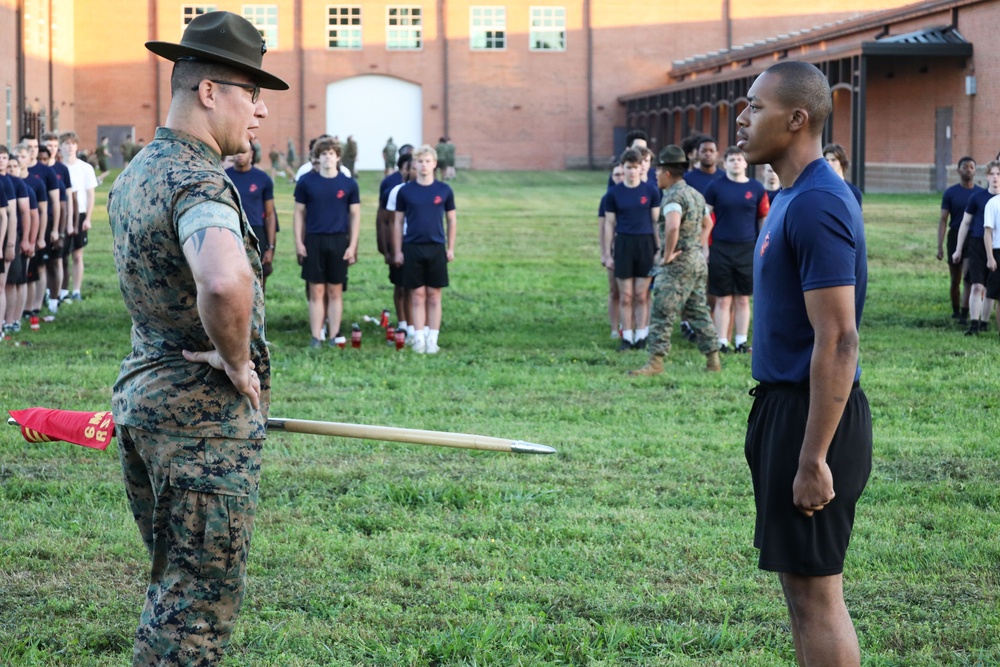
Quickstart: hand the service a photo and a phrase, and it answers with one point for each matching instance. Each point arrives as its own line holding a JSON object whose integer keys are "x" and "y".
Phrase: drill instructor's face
{"x": 237, "y": 116}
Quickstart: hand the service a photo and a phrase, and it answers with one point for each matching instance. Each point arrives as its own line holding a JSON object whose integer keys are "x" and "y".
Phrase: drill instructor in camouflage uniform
{"x": 679, "y": 288}
{"x": 192, "y": 399}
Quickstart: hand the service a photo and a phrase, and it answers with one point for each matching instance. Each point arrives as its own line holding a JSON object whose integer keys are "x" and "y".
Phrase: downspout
{"x": 21, "y": 75}
{"x": 443, "y": 31}
{"x": 589, "y": 28}
{"x": 302, "y": 80}
{"x": 52, "y": 95}
{"x": 727, "y": 19}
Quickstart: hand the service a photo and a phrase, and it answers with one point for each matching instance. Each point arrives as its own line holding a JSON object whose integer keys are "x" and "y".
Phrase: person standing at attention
{"x": 809, "y": 433}
{"x": 190, "y": 405}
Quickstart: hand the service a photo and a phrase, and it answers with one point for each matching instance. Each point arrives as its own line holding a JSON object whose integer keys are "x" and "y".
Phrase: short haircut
{"x": 188, "y": 74}
{"x": 426, "y": 149}
{"x": 839, "y": 153}
{"x": 27, "y": 136}
{"x": 803, "y": 85}
{"x": 705, "y": 139}
{"x": 43, "y": 148}
{"x": 20, "y": 147}
{"x": 674, "y": 170}
{"x": 632, "y": 155}
{"x": 732, "y": 150}
{"x": 646, "y": 152}
{"x": 406, "y": 158}
{"x": 967, "y": 158}
{"x": 406, "y": 149}
{"x": 68, "y": 136}
{"x": 615, "y": 164}
{"x": 49, "y": 136}
{"x": 3, "y": 150}
{"x": 323, "y": 145}
{"x": 992, "y": 164}
{"x": 690, "y": 142}
{"x": 633, "y": 135}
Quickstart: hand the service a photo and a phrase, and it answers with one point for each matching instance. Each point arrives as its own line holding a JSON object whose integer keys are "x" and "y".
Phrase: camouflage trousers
{"x": 679, "y": 289}
{"x": 194, "y": 501}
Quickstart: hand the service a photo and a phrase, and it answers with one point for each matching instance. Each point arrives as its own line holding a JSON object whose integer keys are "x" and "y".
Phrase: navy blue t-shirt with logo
{"x": 737, "y": 207}
{"x": 954, "y": 200}
{"x": 977, "y": 209}
{"x": 424, "y": 208}
{"x": 255, "y": 188}
{"x": 813, "y": 238}
{"x": 631, "y": 207}
{"x": 328, "y": 202}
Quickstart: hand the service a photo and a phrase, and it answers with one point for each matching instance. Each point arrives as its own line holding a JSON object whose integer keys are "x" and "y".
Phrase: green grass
{"x": 632, "y": 546}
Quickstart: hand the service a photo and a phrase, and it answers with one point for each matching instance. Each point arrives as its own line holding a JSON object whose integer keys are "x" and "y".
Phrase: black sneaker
{"x": 724, "y": 349}
{"x": 640, "y": 344}
{"x": 625, "y": 346}
{"x": 973, "y": 329}
{"x": 687, "y": 331}
{"x": 742, "y": 348}
{"x": 963, "y": 319}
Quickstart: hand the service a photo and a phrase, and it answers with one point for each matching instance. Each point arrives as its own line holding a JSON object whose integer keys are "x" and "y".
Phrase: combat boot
{"x": 712, "y": 362}
{"x": 653, "y": 367}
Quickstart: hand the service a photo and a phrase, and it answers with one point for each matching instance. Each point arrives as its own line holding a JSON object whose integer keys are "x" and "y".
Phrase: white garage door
{"x": 373, "y": 108}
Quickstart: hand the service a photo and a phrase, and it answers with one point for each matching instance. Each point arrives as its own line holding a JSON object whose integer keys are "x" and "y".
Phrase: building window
{"x": 343, "y": 26}
{"x": 265, "y": 19}
{"x": 190, "y": 12}
{"x": 488, "y": 28}
{"x": 548, "y": 29}
{"x": 404, "y": 27}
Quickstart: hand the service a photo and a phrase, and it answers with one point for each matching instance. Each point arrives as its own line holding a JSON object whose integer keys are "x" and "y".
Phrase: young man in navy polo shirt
{"x": 809, "y": 434}
{"x": 971, "y": 231}
{"x": 739, "y": 205}
{"x": 630, "y": 210}
{"x": 425, "y": 247}
{"x": 953, "y": 203}
{"x": 257, "y": 196}
{"x": 327, "y": 222}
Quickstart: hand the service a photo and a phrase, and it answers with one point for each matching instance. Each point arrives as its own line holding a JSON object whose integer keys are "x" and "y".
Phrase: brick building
{"x": 516, "y": 85}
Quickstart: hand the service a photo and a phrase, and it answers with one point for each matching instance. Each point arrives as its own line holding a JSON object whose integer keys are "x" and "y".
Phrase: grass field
{"x": 631, "y": 546}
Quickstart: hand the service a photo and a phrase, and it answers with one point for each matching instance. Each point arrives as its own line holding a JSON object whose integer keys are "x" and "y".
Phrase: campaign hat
{"x": 670, "y": 156}
{"x": 224, "y": 38}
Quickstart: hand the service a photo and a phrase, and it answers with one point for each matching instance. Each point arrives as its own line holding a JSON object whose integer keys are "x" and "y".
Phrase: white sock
{"x": 410, "y": 331}
{"x": 420, "y": 337}
{"x": 642, "y": 333}
{"x": 432, "y": 337}
{"x": 402, "y": 325}
{"x": 427, "y": 331}
{"x": 740, "y": 340}
{"x": 724, "y": 342}
{"x": 63, "y": 293}
{"x": 628, "y": 335}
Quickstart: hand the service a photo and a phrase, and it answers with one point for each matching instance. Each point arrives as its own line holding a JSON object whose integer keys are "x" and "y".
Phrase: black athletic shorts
{"x": 633, "y": 255}
{"x": 18, "y": 268}
{"x": 396, "y": 274}
{"x": 788, "y": 540}
{"x": 977, "y": 273}
{"x": 79, "y": 240}
{"x": 993, "y": 282}
{"x": 324, "y": 261}
{"x": 730, "y": 268}
{"x": 952, "y": 243}
{"x": 35, "y": 266}
{"x": 425, "y": 265}
{"x": 261, "y": 235}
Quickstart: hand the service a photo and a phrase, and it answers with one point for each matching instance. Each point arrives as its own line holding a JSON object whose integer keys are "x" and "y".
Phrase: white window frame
{"x": 190, "y": 12}
{"x": 488, "y": 28}
{"x": 348, "y": 33}
{"x": 265, "y": 19}
{"x": 404, "y": 30}
{"x": 547, "y": 25}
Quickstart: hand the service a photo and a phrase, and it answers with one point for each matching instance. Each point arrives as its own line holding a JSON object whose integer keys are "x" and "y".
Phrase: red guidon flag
{"x": 88, "y": 429}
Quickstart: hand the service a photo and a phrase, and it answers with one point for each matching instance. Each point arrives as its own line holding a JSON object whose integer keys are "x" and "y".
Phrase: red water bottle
{"x": 390, "y": 334}
{"x": 385, "y": 319}
{"x": 400, "y": 339}
{"x": 355, "y": 336}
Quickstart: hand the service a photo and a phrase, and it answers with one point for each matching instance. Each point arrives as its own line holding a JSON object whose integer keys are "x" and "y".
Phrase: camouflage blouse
{"x": 158, "y": 390}
{"x": 692, "y": 205}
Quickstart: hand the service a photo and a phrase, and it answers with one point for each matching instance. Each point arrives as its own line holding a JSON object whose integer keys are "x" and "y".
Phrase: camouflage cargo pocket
{"x": 211, "y": 518}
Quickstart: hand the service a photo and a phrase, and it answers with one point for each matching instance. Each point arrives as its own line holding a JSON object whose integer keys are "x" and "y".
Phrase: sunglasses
{"x": 252, "y": 88}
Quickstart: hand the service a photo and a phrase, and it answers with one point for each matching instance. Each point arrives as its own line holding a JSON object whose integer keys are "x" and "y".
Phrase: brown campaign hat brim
{"x": 224, "y": 38}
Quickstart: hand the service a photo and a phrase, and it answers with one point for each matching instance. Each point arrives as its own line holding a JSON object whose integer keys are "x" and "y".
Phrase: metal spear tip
{"x": 522, "y": 447}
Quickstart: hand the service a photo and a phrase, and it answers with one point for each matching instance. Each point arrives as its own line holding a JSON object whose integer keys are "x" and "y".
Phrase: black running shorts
{"x": 788, "y": 540}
